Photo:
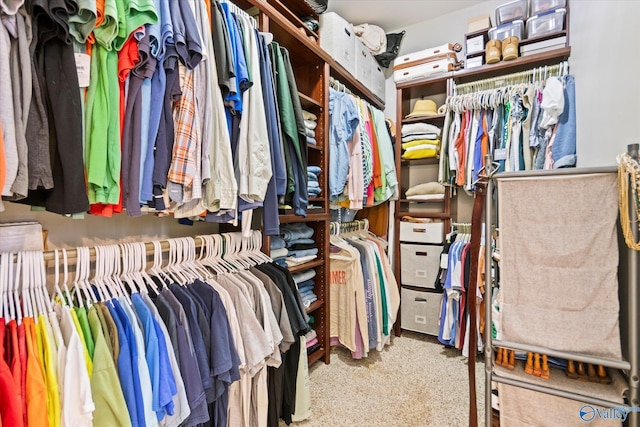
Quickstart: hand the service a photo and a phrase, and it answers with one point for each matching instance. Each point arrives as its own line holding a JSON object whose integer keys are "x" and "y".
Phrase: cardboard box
{"x": 479, "y": 23}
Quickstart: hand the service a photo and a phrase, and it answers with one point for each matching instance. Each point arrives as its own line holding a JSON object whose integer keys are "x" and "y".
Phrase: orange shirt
{"x": 36, "y": 389}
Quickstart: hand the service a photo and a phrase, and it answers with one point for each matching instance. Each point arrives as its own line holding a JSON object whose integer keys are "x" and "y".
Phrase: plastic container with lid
{"x": 512, "y": 11}
{"x": 541, "y": 6}
{"x": 546, "y": 23}
{"x": 501, "y": 32}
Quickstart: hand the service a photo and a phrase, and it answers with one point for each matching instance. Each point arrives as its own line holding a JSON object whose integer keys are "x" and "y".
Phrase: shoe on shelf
{"x": 492, "y": 51}
{"x": 510, "y": 48}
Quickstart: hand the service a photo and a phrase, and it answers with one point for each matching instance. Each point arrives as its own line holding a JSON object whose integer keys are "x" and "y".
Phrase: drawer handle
{"x": 405, "y": 73}
{"x": 421, "y": 254}
{"x": 418, "y": 299}
{"x": 347, "y": 31}
{"x": 419, "y": 230}
{"x": 436, "y": 51}
{"x": 436, "y": 66}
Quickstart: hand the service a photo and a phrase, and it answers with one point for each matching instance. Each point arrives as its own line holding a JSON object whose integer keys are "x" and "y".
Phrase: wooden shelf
{"x": 507, "y": 67}
{"x": 436, "y": 118}
{"x": 294, "y": 11}
{"x": 315, "y": 305}
{"x": 315, "y": 147}
{"x": 543, "y": 37}
{"x": 306, "y": 265}
{"x": 421, "y": 201}
{"x": 316, "y": 355}
{"x": 311, "y": 217}
{"x": 308, "y": 102}
{"x": 440, "y": 78}
{"x": 298, "y": 42}
{"x": 316, "y": 199}
{"x": 437, "y": 215}
{"x": 421, "y": 162}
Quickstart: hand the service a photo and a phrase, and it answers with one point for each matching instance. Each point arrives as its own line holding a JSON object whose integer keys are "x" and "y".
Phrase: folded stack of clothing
{"x": 279, "y": 251}
{"x": 300, "y": 246}
{"x": 420, "y": 141}
{"x": 310, "y": 123}
{"x": 305, "y": 283}
{"x": 312, "y": 341}
{"x": 313, "y": 185}
{"x": 428, "y": 191}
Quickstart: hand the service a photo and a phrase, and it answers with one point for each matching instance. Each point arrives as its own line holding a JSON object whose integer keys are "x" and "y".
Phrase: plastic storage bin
{"x": 546, "y": 23}
{"x": 419, "y": 264}
{"x": 501, "y": 32}
{"x": 420, "y": 311}
{"x": 512, "y": 11}
{"x": 541, "y": 6}
{"x": 338, "y": 40}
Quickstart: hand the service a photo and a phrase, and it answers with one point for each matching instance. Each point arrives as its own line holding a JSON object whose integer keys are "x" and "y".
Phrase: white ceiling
{"x": 394, "y": 14}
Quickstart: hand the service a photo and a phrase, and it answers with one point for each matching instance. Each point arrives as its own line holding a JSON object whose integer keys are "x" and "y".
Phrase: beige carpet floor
{"x": 414, "y": 382}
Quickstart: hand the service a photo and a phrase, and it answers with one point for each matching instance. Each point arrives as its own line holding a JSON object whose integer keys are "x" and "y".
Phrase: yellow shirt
{"x": 49, "y": 370}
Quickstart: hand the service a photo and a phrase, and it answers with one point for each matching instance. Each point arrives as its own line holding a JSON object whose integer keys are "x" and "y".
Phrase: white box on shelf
{"x": 419, "y": 264}
{"x": 421, "y": 232}
{"x": 378, "y": 80}
{"x": 364, "y": 66}
{"x": 474, "y": 62}
{"x": 475, "y": 44}
{"x": 338, "y": 40}
{"x": 420, "y": 311}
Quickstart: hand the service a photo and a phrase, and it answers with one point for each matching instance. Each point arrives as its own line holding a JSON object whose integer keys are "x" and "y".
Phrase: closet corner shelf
{"x": 311, "y": 217}
{"x": 420, "y": 162}
{"x": 316, "y": 355}
{"x": 438, "y": 117}
{"x": 306, "y": 266}
{"x": 519, "y": 64}
{"x": 309, "y": 102}
{"x": 437, "y": 215}
{"x": 558, "y": 383}
{"x": 314, "y": 306}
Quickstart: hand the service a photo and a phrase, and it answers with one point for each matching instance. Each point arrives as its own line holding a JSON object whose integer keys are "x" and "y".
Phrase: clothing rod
{"x": 490, "y": 83}
{"x": 73, "y": 253}
{"x": 555, "y": 172}
{"x": 560, "y": 393}
{"x": 578, "y": 357}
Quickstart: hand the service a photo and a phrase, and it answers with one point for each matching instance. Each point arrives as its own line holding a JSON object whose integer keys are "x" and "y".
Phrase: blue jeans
{"x": 296, "y": 231}
{"x": 303, "y": 252}
{"x": 563, "y": 149}
{"x": 277, "y": 243}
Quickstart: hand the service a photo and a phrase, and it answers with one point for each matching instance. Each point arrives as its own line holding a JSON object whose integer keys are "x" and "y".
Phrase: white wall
{"x": 605, "y": 58}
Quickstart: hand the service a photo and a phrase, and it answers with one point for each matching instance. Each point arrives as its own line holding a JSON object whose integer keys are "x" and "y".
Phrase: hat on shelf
{"x": 424, "y": 107}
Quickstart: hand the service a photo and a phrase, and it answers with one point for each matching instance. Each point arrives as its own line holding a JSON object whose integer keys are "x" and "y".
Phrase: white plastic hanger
{"x": 46, "y": 300}
{"x": 56, "y": 284}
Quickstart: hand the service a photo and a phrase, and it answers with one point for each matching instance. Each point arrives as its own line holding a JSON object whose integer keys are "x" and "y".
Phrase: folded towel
{"x": 426, "y": 188}
{"x": 417, "y": 142}
{"x": 311, "y": 141}
{"x": 292, "y": 261}
{"x": 427, "y": 153}
{"x": 419, "y": 128}
{"x": 422, "y": 147}
{"x": 304, "y": 275}
{"x": 310, "y": 124}
{"x": 314, "y": 169}
{"x": 308, "y": 115}
{"x": 278, "y": 253}
{"x": 414, "y": 136}
{"x": 277, "y": 243}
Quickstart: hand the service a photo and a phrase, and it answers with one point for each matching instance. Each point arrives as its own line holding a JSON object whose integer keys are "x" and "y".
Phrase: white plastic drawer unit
{"x": 420, "y": 311}
{"x": 338, "y": 40}
{"x": 419, "y": 264}
{"x": 417, "y": 232}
